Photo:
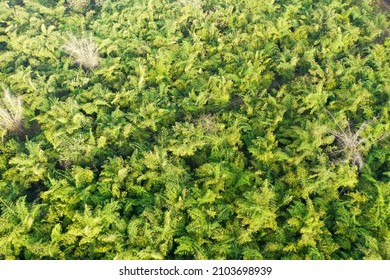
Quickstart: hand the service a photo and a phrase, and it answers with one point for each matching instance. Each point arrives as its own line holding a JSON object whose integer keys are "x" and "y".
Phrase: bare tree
{"x": 351, "y": 142}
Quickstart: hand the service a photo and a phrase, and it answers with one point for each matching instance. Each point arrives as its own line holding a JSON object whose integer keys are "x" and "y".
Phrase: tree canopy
{"x": 194, "y": 129}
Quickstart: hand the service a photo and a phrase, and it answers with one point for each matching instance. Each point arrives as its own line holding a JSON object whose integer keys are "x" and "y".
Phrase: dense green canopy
{"x": 194, "y": 129}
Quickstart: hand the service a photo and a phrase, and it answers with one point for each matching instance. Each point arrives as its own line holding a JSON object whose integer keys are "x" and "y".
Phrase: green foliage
{"x": 194, "y": 129}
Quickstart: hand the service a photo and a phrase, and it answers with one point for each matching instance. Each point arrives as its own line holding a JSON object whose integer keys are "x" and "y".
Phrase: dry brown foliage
{"x": 11, "y": 113}
{"x": 83, "y": 50}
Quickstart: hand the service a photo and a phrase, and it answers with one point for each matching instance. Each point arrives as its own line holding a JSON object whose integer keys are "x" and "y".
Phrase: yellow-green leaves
{"x": 194, "y": 129}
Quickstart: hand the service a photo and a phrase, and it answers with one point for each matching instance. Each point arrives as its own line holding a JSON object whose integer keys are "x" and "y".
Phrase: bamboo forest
{"x": 194, "y": 129}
